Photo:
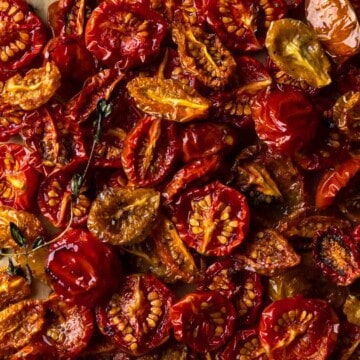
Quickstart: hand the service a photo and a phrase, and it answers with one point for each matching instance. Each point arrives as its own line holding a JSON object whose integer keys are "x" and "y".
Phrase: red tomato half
{"x": 285, "y": 121}
{"x": 213, "y": 219}
{"x": 18, "y": 179}
{"x": 124, "y": 34}
{"x": 299, "y": 328}
{"x": 83, "y": 269}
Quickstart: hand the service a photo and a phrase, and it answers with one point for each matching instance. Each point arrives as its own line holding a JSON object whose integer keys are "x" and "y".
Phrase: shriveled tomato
{"x": 203, "y": 139}
{"x": 347, "y": 75}
{"x": 293, "y": 47}
{"x": 19, "y": 323}
{"x": 244, "y": 345}
{"x": 213, "y": 219}
{"x": 349, "y": 341}
{"x": 124, "y": 34}
{"x": 337, "y": 255}
{"x": 334, "y": 180}
{"x": 124, "y": 215}
{"x": 268, "y": 253}
{"x": 137, "y": 317}
{"x": 299, "y": 328}
{"x": 55, "y": 197}
{"x": 165, "y": 254}
{"x": 11, "y": 121}
{"x": 23, "y": 35}
{"x": 68, "y": 327}
{"x": 72, "y": 16}
{"x": 168, "y": 98}
{"x": 186, "y": 12}
{"x": 35, "y": 351}
{"x": 18, "y": 178}
{"x": 336, "y": 26}
{"x": 150, "y": 151}
{"x": 32, "y": 90}
{"x": 349, "y": 199}
{"x": 204, "y": 56}
{"x": 83, "y": 269}
{"x": 203, "y": 320}
{"x": 285, "y": 121}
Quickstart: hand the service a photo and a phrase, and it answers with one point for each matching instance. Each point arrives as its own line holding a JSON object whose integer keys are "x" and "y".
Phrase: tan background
{"x": 41, "y": 7}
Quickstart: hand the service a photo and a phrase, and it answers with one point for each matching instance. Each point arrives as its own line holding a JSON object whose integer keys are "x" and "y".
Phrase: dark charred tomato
{"x": 336, "y": 26}
{"x": 268, "y": 253}
{"x": 165, "y": 255}
{"x": 299, "y": 328}
{"x": 119, "y": 33}
{"x": 83, "y": 269}
{"x": 333, "y": 180}
{"x": 150, "y": 151}
{"x": 19, "y": 324}
{"x": 97, "y": 87}
{"x": 71, "y": 57}
{"x": 23, "y": 35}
{"x": 19, "y": 179}
{"x": 235, "y": 23}
{"x": 56, "y": 140}
{"x": 204, "y": 56}
{"x": 203, "y": 320}
{"x": 55, "y": 197}
{"x": 137, "y": 317}
{"x": 285, "y": 121}
{"x": 336, "y": 253}
{"x": 68, "y": 327}
{"x": 195, "y": 171}
{"x": 203, "y": 139}
{"x": 242, "y": 287}
{"x": 124, "y": 215}
{"x": 244, "y": 345}
{"x": 213, "y": 219}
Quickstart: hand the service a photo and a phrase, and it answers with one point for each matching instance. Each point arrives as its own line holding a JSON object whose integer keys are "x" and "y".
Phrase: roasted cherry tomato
{"x": 68, "y": 327}
{"x": 137, "y": 317}
{"x": 293, "y": 47}
{"x": 203, "y": 320}
{"x": 337, "y": 255}
{"x": 124, "y": 34}
{"x": 23, "y": 35}
{"x": 299, "y": 328}
{"x": 348, "y": 200}
{"x": 334, "y": 180}
{"x": 11, "y": 121}
{"x": 36, "y": 350}
{"x": 285, "y": 121}
{"x": 18, "y": 179}
{"x": 213, "y": 219}
{"x": 83, "y": 269}
{"x": 347, "y": 75}
{"x": 336, "y": 26}
{"x": 150, "y": 151}
{"x": 244, "y": 345}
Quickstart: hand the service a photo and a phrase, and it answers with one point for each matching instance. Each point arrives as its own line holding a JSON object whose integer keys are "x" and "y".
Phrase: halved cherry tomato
{"x": 11, "y": 121}
{"x": 203, "y": 320}
{"x": 213, "y": 219}
{"x": 285, "y": 121}
{"x": 337, "y": 255}
{"x": 299, "y": 328}
{"x": 23, "y": 35}
{"x": 68, "y": 327}
{"x": 124, "y": 34}
{"x": 334, "y": 180}
{"x": 18, "y": 178}
{"x": 137, "y": 317}
{"x": 150, "y": 151}
{"x": 83, "y": 269}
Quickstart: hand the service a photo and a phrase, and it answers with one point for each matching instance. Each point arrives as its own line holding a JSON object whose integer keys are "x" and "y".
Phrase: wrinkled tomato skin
{"x": 111, "y": 47}
{"x": 285, "y": 121}
{"x": 29, "y": 30}
{"x": 35, "y": 351}
{"x": 18, "y": 176}
{"x": 203, "y": 320}
{"x": 213, "y": 219}
{"x": 334, "y": 180}
{"x": 137, "y": 317}
{"x": 83, "y": 269}
{"x": 315, "y": 340}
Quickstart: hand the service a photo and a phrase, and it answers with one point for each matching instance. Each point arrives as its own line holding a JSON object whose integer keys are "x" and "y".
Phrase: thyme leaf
{"x": 17, "y": 235}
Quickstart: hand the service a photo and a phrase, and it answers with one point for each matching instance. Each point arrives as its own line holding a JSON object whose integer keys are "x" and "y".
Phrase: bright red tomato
{"x": 299, "y": 328}
{"x": 83, "y": 269}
